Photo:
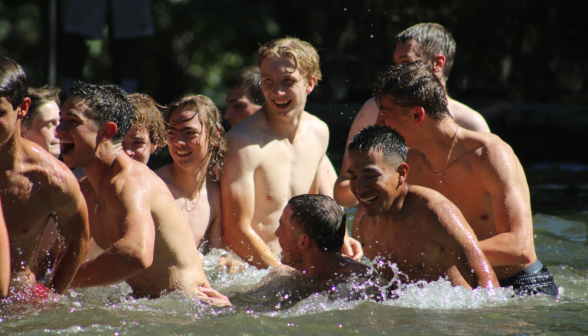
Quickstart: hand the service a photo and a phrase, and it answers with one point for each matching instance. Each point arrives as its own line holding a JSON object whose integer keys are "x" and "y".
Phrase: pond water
{"x": 560, "y": 206}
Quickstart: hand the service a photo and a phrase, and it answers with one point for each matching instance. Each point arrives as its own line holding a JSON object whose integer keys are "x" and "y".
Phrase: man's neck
{"x": 106, "y": 154}
{"x": 436, "y": 140}
{"x": 319, "y": 264}
{"x": 284, "y": 127}
{"x": 11, "y": 151}
{"x": 188, "y": 178}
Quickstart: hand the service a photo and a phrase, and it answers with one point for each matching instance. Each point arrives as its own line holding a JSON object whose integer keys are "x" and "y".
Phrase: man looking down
{"x": 476, "y": 171}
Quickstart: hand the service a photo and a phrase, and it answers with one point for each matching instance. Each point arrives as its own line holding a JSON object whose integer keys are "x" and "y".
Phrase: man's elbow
{"x": 140, "y": 260}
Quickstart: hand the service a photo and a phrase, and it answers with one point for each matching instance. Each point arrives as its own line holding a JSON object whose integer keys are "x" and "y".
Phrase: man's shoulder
{"x": 315, "y": 124}
{"x": 489, "y": 148}
{"x": 251, "y": 130}
{"x": 49, "y": 171}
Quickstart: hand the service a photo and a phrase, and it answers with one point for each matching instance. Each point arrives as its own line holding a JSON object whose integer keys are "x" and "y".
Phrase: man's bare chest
{"x": 26, "y": 208}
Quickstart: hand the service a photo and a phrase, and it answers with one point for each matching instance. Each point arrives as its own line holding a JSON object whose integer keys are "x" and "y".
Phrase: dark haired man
{"x": 311, "y": 233}
{"x": 432, "y": 44}
{"x": 476, "y": 171}
{"x": 415, "y": 227}
{"x": 133, "y": 216}
{"x": 35, "y": 187}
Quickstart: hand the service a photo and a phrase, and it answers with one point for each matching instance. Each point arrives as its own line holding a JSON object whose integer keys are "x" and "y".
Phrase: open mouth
{"x": 67, "y": 147}
{"x": 183, "y": 154}
{"x": 368, "y": 200}
{"x": 282, "y": 104}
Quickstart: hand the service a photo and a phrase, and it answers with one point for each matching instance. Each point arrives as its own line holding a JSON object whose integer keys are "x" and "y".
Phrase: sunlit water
{"x": 424, "y": 308}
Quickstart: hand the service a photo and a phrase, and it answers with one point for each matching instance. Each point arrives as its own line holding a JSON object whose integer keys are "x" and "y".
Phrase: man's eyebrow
{"x": 232, "y": 100}
{"x": 181, "y": 129}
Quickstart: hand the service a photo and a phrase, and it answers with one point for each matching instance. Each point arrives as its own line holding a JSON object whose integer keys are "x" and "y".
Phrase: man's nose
{"x": 229, "y": 113}
{"x": 60, "y": 130}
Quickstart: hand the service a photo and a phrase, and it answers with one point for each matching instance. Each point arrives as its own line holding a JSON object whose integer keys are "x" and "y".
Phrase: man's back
{"x": 485, "y": 173}
{"x": 272, "y": 169}
{"x": 135, "y": 196}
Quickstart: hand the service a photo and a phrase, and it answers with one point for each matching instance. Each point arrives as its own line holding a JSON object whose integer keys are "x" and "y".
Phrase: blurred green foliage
{"x": 513, "y": 50}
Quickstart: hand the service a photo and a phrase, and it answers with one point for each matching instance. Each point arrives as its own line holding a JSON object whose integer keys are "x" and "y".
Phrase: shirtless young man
{"x": 4, "y": 257}
{"x": 433, "y": 44}
{"x": 415, "y": 227}
{"x": 197, "y": 145}
{"x": 245, "y": 97}
{"x": 476, "y": 171}
{"x": 274, "y": 154}
{"x": 311, "y": 232}
{"x": 147, "y": 135}
{"x": 133, "y": 215}
{"x": 34, "y": 187}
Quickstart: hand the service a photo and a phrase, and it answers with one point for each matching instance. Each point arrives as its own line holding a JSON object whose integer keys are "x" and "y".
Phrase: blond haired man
{"x": 275, "y": 154}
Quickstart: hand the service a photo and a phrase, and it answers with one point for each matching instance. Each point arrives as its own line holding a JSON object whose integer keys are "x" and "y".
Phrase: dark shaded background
{"x": 521, "y": 63}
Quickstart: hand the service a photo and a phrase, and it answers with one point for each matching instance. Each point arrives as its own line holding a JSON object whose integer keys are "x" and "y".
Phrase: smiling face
{"x": 372, "y": 181}
{"x": 77, "y": 133}
{"x": 288, "y": 234}
{"x": 186, "y": 138}
{"x": 137, "y": 145}
{"x": 42, "y": 130}
{"x": 240, "y": 107}
{"x": 285, "y": 90}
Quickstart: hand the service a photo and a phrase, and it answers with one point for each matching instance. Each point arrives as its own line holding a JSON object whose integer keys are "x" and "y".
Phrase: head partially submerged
{"x": 427, "y": 40}
{"x": 42, "y": 119}
{"x": 245, "y": 95}
{"x": 412, "y": 85}
{"x": 147, "y": 135}
{"x": 377, "y": 167}
{"x": 194, "y": 133}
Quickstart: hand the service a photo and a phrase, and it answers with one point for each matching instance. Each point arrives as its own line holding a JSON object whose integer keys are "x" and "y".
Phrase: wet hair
{"x": 250, "y": 79}
{"x": 302, "y": 53}
{"x": 13, "y": 82}
{"x": 321, "y": 218}
{"x": 148, "y": 117}
{"x": 39, "y": 97}
{"x": 431, "y": 39}
{"x": 413, "y": 84}
{"x": 210, "y": 118}
{"x": 383, "y": 139}
{"x": 106, "y": 103}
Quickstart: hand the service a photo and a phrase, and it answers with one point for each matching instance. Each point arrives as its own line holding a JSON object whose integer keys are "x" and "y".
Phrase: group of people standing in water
{"x": 437, "y": 194}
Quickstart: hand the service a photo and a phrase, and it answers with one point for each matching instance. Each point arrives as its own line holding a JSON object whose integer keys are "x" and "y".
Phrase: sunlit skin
{"x": 414, "y": 227}
{"x": 367, "y": 115}
{"x": 240, "y": 106}
{"x": 483, "y": 178}
{"x": 146, "y": 239}
{"x": 35, "y": 187}
{"x": 273, "y": 155}
{"x": 4, "y": 257}
{"x": 43, "y": 126}
{"x": 137, "y": 145}
{"x": 188, "y": 146}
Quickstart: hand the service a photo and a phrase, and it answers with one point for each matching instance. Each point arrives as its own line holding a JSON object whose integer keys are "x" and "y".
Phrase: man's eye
{"x": 139, "y": 142}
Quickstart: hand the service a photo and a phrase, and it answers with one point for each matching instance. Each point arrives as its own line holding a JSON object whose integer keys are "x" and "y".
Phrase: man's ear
{"x": 402, "y": 171}
{"x": 438, "y": 63}
{"x": 303, "y": 241}
{"x": 419, "y": 114}
{"x": 310, "y": 84}
{"x": 23, "y": 108}
{"x": 107, "y": 131}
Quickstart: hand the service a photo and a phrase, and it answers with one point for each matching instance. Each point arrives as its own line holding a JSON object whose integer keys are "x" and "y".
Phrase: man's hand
{"x": 352, "y": 248}
{"x": 230, "y": 264}
{"x": 213, "y": 297}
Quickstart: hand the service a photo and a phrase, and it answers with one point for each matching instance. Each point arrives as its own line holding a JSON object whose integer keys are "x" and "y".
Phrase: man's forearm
{"x": 343, "y": 194}
{"x": 506, "y": 249}
{"x": 251, "y": 248}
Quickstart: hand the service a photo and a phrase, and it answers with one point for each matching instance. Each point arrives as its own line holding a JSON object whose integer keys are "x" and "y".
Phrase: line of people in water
{"x": 438, "y": 194}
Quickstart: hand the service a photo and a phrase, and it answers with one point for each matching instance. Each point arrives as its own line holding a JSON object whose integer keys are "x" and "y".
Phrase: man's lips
{"x": 282, "y": 103}
{"x": 66, "y": 146}
{"x": 183, "y": 153}
{"x": 368, "y": 200}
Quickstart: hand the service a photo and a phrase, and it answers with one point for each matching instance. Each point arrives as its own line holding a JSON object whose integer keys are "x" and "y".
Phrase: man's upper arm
{"x": 71, "y": 211}
{"x": 237, "y": 185}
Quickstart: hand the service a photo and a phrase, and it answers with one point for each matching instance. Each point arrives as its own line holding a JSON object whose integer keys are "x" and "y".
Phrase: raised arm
{"x": 238, "y": 205}
{"x": 132, "y": 253}
{"x": 460, "y": 243}
{"x": 328, "y": 177}
{"x": 365, "y": 117}
{"x": 4, "y": 257}
{"x": 506, "y": 183}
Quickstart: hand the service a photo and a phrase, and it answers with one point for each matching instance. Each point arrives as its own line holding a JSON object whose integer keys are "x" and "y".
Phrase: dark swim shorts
{"x": 535, "y": 279}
